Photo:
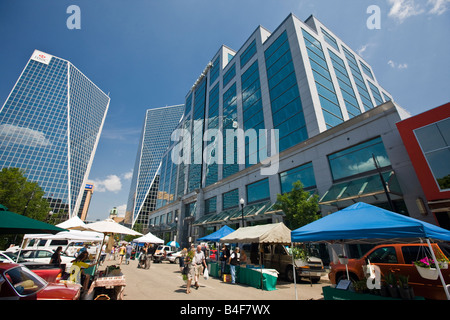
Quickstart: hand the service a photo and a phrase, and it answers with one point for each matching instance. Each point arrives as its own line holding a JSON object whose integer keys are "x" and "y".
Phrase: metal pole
{"x": 293, "y": 270}
{"x": 383, "y": 183}
{"x": 439, "y": 270}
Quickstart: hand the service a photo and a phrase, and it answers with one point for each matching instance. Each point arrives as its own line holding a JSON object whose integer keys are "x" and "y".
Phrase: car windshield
{"x": 24, "y": 281}
{"x": 13, "y": 256}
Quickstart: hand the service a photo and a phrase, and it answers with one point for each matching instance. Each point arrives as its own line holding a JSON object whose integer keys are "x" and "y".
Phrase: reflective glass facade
{"x": 358, "y": 159}
{"x": 332, "y": 112}
{"x": 298, "y": 80}
{"x": 303, "y": 173}
{"x": 258, "y": 191}
{"x": 50, "y": 125}
{"x": 286, "y": 106}
{"x": 434, "y": 140}
{"x": 158, "y": 126}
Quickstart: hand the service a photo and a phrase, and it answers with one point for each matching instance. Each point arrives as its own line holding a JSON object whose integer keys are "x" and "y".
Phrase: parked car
{"x": 161, "y": 253}
{"x": 397, "y": 258}
{"x": 174, "y": 257}
{"x": 48, "y": 272}
{"x": 44, "y": 256}
{"x": 17, "y": 282}
{"x": 10, "y": 257}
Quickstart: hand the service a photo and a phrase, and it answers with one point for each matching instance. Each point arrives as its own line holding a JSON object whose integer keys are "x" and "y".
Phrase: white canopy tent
{"x": 149, "y": 238}
{"x": 71, "y": 223}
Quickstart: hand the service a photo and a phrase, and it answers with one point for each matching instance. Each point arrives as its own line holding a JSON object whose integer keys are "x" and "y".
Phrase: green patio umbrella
{"x": 11, "y": 223}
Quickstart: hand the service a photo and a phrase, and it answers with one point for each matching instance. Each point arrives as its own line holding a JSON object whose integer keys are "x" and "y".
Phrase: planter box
{"x": 428, "y": 273}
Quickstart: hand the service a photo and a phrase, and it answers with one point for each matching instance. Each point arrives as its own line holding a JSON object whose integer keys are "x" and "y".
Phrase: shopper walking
{"x": 224, "y": 256}
{"x": 234, "y": 261}
{"x": 129, "y": 249}
{"x": 199, "y": 263}
{"x": 122, "y": 251}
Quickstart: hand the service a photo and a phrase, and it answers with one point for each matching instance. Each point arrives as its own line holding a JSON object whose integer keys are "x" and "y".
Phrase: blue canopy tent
{"x": 362, "y": 222}
{"x": 219, "y": 234}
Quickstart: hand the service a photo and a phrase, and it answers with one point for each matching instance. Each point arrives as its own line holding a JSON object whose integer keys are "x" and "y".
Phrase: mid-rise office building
{"x": 50, "y": 125}
{"x": 309, "y": 108}
{"x": 158, "y": 126}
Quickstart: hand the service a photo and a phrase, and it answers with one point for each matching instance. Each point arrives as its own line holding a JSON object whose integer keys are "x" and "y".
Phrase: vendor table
{"x": 249, "y": 276}
{"x": 118, "y": 283}
{"x": 330, "y": 293}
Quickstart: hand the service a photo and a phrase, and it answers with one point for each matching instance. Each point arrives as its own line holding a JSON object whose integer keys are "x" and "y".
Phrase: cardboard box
{"x": 227, "y": 278}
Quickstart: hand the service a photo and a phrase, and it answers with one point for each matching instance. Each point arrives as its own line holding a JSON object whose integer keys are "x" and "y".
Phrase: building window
{"x": 229, "y": 75}
{"x": 345, "y": 85}
{"x": 358, "y": 159}
{"x": 331, "y": 110}
{"x": 330, "y": 39}
{"x": 360, "y": 84}
{"x": 287, "y": 110}
{"x": 248, "y": 53}
{"x": 230, "y": 199}
{"x": 258, "y": 191}
{"x": 190, "y": 209}
{"x": 434, "y": 140}
{"x": 252, "y": 110}
{"x": 304, "y": 173}
{"x": 215, "y": 69}
{"x": 211, "y": 205}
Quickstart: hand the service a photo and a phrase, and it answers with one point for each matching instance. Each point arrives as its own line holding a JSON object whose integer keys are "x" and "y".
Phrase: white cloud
{"x": 23, "y": 136}
{"x": 112, "y": 183}
{"x": 362, "y": 49}
{"x": 439, "y": 6}
{"x": 403, "y": 9}
{"x": 128, "y": 175}
{"x": 397, "y": 65}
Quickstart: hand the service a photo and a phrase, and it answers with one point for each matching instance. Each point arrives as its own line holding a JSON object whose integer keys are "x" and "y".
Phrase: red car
{"x": 17, "y": 282}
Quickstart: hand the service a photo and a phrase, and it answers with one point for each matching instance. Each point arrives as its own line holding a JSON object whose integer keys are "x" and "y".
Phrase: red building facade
{"x": 426, "y": 137}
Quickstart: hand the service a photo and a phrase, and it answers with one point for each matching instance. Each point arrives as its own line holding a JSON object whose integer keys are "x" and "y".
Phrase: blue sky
{"x": 148, "y": 53}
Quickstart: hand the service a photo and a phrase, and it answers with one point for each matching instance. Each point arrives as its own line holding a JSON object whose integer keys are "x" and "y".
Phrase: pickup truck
{"x": 277, "y": 257}
{"x": 17, "y": 282}
{"x": 397, "y": 258}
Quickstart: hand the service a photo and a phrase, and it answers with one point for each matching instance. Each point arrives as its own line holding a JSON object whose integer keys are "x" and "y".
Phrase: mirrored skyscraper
{"x": 50, "y": 125}
{"x": 158, "y": 126}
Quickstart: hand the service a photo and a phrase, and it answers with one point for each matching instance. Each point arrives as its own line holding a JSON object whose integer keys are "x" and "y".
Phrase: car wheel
{"x": 289, "y": 274}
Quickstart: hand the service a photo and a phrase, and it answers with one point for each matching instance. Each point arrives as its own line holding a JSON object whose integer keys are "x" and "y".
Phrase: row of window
{"x": 343, "y": 164}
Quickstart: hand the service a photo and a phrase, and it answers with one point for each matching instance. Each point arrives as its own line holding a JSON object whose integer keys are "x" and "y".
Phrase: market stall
{"x": 258, "y": 276}
{"x": 364, "y": 223}
{"x": 107, "y": 279}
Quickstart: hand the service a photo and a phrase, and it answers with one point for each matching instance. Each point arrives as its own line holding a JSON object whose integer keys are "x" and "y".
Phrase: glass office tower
{"x": 158, "y": 126}
{"x": 50, "y": 125}
{"x": 331, "y": 114}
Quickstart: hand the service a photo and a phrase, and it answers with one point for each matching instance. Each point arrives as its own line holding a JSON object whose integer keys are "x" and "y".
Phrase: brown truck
{"x": 397, "y": 258}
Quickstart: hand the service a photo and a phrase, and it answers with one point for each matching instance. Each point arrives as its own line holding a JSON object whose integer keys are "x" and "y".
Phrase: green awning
{"x": 14, "y": 223}
{"x": 362, "y": 187}
{"x": 234, "y": 214}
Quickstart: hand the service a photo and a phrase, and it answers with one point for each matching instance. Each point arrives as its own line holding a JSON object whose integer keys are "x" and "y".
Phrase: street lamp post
{"x": 242, "y": 202}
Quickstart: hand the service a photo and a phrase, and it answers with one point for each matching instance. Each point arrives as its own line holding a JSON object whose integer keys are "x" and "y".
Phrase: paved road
{"x": 163, "y": 281}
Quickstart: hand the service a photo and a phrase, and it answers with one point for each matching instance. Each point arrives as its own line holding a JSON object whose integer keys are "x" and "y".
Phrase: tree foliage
{"x": 22, "y": 196}
{"x": 299, "y": 206}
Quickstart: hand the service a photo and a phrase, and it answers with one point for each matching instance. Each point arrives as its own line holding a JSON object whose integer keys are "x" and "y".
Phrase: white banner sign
{"x": 41, "y": 57}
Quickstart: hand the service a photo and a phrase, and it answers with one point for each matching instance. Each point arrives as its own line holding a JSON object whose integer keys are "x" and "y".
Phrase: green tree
{"x": 299, "y": 206}
{"x": 22, "y": 196}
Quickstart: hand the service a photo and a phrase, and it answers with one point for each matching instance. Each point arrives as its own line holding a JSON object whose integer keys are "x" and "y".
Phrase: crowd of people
{"x": 192, "y": 262}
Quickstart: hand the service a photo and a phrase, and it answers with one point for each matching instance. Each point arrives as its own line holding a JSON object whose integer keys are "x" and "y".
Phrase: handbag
{"x": 185, "y": 270}
{"x": 206, "y": 274}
